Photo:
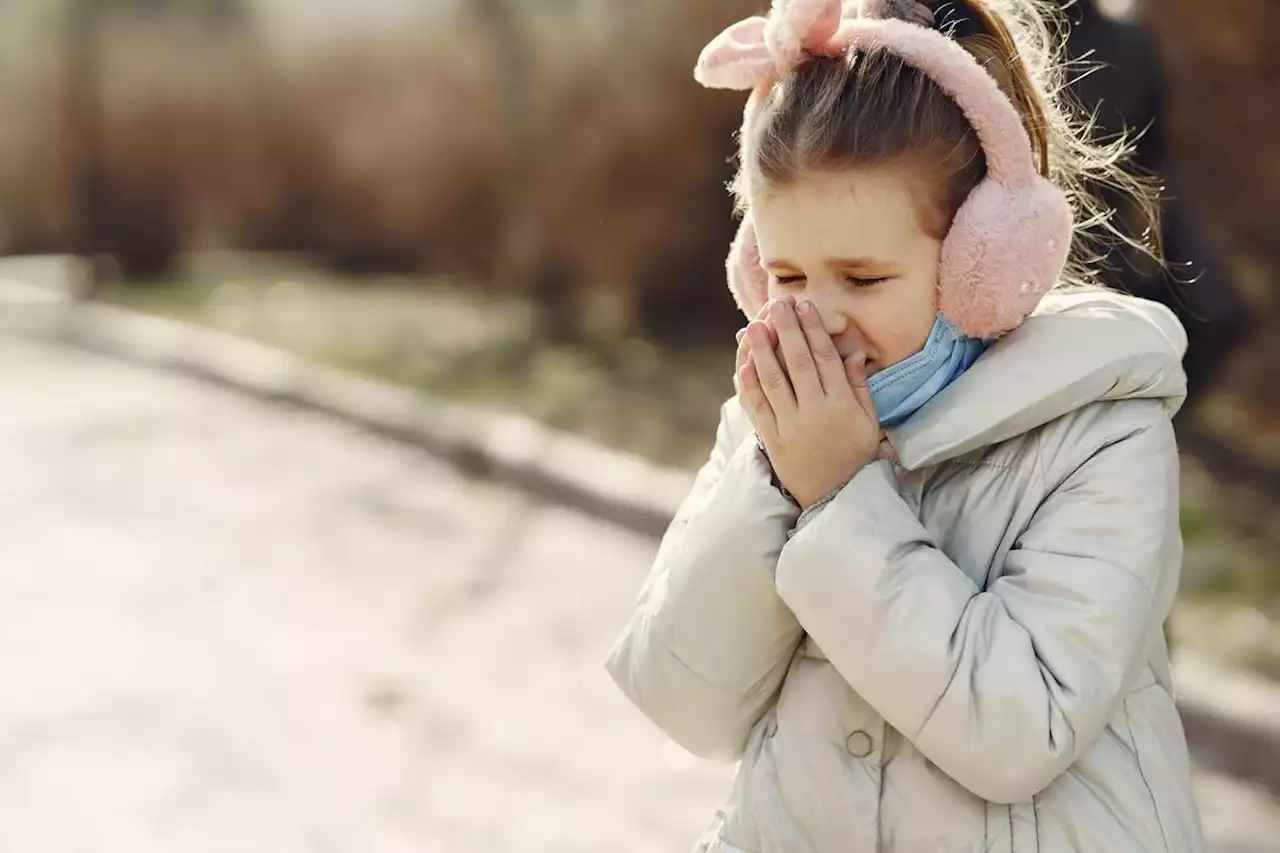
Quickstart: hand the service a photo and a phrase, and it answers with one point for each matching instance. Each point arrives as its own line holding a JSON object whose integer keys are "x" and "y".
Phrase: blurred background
{"x": 551, "y": 166}
{"x": 521, "y": 204}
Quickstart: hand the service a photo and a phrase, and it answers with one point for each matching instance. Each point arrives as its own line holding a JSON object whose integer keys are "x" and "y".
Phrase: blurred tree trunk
{"x": 83, "y": 140}
{"x": 521, "y": 246}
{"x": 513, "y": 58}
{"x": 1224, "y": 67}
{"x": 139, "y": 234}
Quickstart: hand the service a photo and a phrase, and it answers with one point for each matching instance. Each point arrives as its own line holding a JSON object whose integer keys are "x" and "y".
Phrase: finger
{"x": 831, "y": 370}
{"x": 796, "y": 356}
{"x": 856, "y": 370}
{"x": 741, "y": 336}
{"x": 743, "y": 356}
{"x": 755, "y": 402}
{"x": 764, "y": 317}
{"x": 777, "y": 388}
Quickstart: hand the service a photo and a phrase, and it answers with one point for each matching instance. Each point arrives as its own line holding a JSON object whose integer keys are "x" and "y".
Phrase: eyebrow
{"x": 861, "y": 263}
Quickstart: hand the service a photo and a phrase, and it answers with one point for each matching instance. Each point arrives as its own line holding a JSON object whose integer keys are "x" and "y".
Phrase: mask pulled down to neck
{"x": 901, "y": 389}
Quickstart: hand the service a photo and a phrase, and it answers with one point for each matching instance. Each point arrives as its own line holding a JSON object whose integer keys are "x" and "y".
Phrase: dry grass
{"x": 458, "y": 343}
{"x": 661, "y": 403}
{"x": 658, "y": 402}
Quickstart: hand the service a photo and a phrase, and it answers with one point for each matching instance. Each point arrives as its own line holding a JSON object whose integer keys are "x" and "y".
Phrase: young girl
{"x": 918, "y": 589}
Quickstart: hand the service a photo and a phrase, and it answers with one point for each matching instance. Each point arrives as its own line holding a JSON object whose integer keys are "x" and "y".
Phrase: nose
{"x": 835, "y": 320}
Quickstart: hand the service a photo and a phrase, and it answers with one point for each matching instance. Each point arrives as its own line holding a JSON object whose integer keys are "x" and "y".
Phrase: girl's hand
{"x": 812, "y": 411}
{"x": 744, "y": 348}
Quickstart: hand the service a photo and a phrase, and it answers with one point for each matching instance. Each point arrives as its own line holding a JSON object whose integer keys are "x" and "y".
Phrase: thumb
{"x": 855, "y": 367}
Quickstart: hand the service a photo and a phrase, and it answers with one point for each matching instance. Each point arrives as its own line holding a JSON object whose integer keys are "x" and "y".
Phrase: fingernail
{"x": 741, "y": 333}
{"x": 806, "y": 308}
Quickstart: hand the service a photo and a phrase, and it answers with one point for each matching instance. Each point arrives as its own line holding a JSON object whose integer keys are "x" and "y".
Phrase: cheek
{"x": 907, "y": 319}
{"x": 897, "y": 336}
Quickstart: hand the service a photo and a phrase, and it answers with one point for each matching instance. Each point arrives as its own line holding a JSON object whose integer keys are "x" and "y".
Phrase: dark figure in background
{"x": 1129, "y": 93}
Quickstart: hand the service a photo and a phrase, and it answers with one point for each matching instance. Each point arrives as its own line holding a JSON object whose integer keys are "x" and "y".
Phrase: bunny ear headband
{"x": 1009, "y": 241}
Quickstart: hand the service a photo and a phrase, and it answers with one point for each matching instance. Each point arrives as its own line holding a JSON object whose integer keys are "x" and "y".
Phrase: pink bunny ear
{"x": 799, "y": 26}
{"x": 758, "y": 49}
{"x": 737, "y": 58}
{"x": 815, "y": 22}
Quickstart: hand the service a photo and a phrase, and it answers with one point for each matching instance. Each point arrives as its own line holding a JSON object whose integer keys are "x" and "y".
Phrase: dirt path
{"x": 231, "y": 627}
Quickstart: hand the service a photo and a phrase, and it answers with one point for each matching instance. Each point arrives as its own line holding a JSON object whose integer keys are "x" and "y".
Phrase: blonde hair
{"x": 872, "y": 109}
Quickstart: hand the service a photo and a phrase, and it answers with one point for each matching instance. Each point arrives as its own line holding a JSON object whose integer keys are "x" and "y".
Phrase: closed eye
{"x": 789, "y": 280}
{"x": 855, "y": 281}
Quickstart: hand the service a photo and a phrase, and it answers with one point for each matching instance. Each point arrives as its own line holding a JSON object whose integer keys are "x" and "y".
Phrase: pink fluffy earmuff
{"x": 1008, "y": 244}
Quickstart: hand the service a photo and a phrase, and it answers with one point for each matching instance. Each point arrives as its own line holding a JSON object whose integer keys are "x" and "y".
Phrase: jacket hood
{"x": 1079, "y": 347}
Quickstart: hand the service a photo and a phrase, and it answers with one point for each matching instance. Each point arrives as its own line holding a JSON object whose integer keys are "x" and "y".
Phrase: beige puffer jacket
{"x": 963, "y": 650}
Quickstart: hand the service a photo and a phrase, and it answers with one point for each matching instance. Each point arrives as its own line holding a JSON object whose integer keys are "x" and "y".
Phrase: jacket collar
{"x": 1079, "y": 347}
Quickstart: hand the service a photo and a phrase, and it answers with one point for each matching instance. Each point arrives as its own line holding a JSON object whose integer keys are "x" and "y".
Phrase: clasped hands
{"x": 810, "y": 407}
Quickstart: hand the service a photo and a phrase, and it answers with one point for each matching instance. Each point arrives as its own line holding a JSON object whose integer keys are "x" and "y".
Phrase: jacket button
{"x": 859, "y": 744}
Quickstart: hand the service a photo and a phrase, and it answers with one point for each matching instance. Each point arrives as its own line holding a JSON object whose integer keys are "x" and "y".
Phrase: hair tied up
{"x": 911, "y": 11}
{"x": 952, "y": 18}
{"x": 956, "y": 20}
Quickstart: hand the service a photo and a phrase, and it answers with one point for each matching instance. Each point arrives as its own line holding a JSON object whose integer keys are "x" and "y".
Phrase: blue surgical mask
{"x": 900, "y": 389}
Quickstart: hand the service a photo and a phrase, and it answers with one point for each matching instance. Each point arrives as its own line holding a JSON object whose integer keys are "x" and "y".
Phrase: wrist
{"x": 802, "y": 496}
{"x": 775, "y": 480}
{"x": 829, "y": 486}
{"x": 811, "y": 499}
{"x": 812, "y": 510}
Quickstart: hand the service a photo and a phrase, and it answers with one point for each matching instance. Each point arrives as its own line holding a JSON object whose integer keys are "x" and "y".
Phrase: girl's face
{"x": 852, "y": 244}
